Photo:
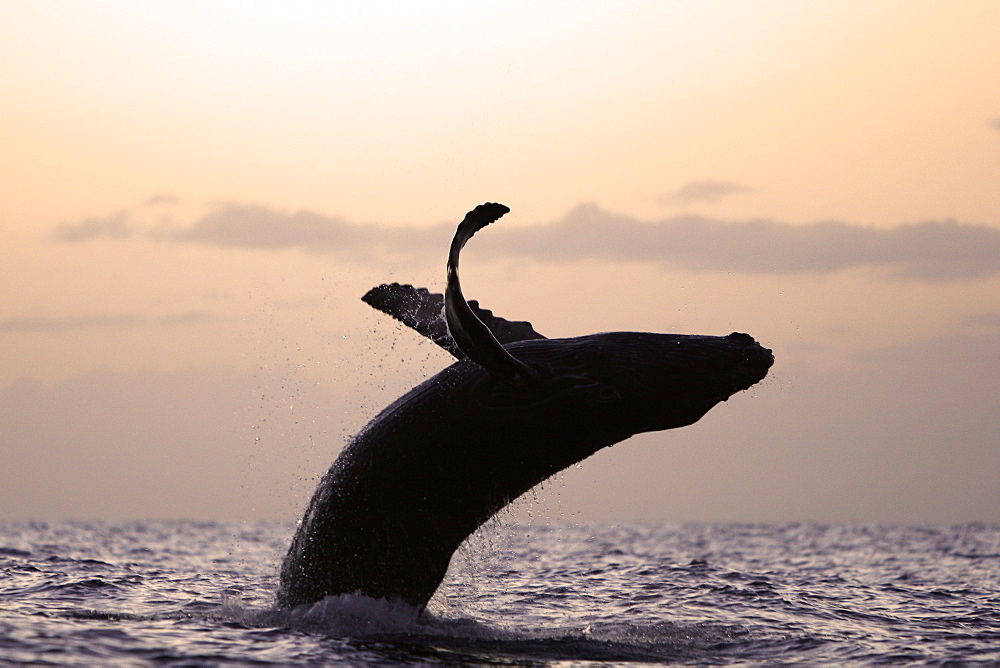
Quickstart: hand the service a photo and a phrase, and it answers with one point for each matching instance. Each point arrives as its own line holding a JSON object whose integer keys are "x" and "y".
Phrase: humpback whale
{"x": 515, "y": 408}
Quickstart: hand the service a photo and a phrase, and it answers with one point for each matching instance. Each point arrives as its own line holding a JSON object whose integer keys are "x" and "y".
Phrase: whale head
{"x": 680, "y": 377}
{"x": 638, "y": 381}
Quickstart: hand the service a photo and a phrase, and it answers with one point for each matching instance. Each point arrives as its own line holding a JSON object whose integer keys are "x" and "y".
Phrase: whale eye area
{"x": 740, "y": 337}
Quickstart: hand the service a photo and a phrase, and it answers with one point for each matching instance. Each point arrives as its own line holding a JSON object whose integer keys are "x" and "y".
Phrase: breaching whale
{"x": 513, "y": 410}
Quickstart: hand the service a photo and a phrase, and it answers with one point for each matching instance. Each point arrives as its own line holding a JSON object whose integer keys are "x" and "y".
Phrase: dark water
{"x": 190, "y": 593}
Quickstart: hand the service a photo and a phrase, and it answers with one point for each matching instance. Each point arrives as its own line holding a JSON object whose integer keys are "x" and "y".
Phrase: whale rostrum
{"x": 514, "y": 409}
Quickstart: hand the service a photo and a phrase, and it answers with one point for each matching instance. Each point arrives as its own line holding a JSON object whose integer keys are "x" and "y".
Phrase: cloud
{"x": 115, "y": 321}
{"x": 927, "y": 251}
{"x": 995, "y": 123}
{"x": 703, "y": 191}
{"x": 252, "y": 226}
{"x": 987, "y": 320}
{"x": 115, "y": 226}
{"x": 163, "y": 200}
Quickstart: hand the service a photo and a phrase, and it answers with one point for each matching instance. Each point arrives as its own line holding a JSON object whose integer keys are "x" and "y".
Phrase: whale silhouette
{"x": 513, "y": 410}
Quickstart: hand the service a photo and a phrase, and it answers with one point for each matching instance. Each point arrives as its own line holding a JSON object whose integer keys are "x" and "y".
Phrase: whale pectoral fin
{"x": 423, "y": 311}
{"x": 471, "y": 334}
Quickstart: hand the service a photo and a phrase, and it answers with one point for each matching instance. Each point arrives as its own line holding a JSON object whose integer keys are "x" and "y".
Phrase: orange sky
{"x": 876, "y": 113}
{"x": 126, "y": 126}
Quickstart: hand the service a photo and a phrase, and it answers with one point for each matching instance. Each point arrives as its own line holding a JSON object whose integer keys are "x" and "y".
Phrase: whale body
{"x": 514, "y": 409}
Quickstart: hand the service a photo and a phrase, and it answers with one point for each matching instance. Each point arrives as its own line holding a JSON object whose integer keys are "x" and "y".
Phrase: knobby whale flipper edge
{"x": 423, "y": 311}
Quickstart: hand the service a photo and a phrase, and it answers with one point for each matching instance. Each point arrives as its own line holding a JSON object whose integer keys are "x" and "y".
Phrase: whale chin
{"x": 753, "y": 364}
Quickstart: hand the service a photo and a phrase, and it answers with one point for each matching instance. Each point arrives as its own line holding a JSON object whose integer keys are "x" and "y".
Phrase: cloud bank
{"x": 703, "y": 191}
{"x": 927, "y": 251}
{"x": 106, "y": 320}
{"x": 115, "y": 226}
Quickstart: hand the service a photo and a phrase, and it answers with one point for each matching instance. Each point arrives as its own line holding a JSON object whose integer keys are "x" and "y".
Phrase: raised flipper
{"x": 416, "y": 308}
{"x": 470, "y": 333}
{"x": 424, "y": 312}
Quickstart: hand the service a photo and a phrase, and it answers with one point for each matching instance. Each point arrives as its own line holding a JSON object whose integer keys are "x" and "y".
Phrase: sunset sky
{"x": 194, "y": 196}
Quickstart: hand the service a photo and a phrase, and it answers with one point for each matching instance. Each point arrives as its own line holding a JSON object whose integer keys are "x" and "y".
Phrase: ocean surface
{"x": 201, "y": 593}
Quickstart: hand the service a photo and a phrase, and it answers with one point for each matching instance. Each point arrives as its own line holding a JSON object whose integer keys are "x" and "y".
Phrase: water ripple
{"x": 195, "y": 593}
